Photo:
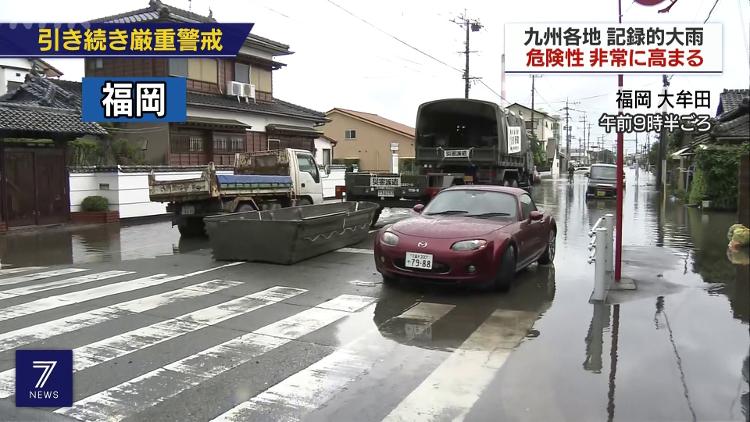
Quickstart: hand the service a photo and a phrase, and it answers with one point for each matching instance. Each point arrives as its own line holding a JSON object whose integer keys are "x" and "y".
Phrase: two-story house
{"x": 546, "y": 127}
{"x": 372, "y": 142}
{"x": 13, "y": 71}
{"x": 220, "y": 119}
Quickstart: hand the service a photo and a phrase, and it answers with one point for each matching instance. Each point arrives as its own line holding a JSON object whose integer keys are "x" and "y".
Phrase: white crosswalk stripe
{"x": 47, "y": 303}
{"x": 6, "y": 271}
{"x": 141, "y": 338}
{"x": 38, "y": 276}
{"x": 312, "y": 387}
{"x": 127, "y": 399}
{"x": 44, "y": 330}
{"x": 35, "y": 288}
{"x": 451, "y": 390}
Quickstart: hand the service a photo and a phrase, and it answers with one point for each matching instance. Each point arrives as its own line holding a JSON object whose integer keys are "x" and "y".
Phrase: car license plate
{"x": 419, "y": 260}
{"x": 187, "y": 210}
{"x": 600, "y": 193}
{"x": 386, "y": 192}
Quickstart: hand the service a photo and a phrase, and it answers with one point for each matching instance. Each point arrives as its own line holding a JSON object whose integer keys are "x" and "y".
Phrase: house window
{"x": 242, "y": 73}
{"x": 202, "y": 70}
{"x": 178, "y": 67}
{"x": 196, "y": 144}
{"x": 228, "y": 143}
{"x": 13, "y": 85}
{"x": 326, "y": 157}
{"x": 350, "y": 134}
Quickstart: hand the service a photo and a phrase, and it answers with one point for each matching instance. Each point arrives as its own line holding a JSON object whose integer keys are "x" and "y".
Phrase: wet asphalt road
{"x": 325, "y": 340}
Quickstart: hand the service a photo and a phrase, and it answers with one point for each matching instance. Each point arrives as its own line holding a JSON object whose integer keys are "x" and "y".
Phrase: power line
{"x": 493, "y": 91}
{"x": 394, "y": 37}
{"x": 711, "y": 11}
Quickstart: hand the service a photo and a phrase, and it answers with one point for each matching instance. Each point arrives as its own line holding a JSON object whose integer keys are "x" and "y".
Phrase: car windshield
{"x": 602, "y": 172}
{"x": 472, "y": 203}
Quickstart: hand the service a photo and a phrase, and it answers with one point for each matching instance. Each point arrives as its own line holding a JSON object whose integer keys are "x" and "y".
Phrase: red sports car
{"x": 468, "y": 234}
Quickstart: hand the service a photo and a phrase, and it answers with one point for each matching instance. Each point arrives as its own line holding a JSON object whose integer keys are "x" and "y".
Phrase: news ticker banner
{"x": 613, "y": 48}
{"x": 134, "y": 99}
{"x": 142, "y": 39}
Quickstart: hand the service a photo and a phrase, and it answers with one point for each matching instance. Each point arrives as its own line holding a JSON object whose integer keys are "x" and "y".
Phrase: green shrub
{"x": 95, "y": 203}
{"x": 697, "y": 188}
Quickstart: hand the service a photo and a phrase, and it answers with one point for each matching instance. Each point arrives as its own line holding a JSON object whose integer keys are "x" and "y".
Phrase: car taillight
{"x": 340, "y": 190}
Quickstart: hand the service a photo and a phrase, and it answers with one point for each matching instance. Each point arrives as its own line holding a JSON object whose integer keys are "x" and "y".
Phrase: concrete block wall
{"x": 127, "y": 192}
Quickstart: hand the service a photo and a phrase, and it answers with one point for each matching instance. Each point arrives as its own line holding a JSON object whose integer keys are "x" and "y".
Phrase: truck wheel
{"x": 192, "y": 227}
{"x": 303, "y": 201}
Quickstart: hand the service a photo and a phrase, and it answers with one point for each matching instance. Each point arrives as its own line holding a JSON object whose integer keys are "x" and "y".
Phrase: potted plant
{"x": 95, "y": 209}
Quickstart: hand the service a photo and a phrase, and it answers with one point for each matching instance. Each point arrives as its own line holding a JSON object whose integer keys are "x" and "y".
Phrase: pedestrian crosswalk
{"x": 153, "y": 313}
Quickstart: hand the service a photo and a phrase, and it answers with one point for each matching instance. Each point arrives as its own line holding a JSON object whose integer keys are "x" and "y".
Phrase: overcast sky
{"x": 341, "y": 61}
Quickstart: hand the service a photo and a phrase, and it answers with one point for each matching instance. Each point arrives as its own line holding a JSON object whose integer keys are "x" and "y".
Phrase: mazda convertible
{"x": 472, "y": 235}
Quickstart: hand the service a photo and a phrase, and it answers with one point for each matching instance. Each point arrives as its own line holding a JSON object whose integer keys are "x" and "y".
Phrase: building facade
{"x": 546, "y": 127}
{"x": 369, "y": 141}
{"x": 13, "y": 71}
{"x": 222, "y": 118}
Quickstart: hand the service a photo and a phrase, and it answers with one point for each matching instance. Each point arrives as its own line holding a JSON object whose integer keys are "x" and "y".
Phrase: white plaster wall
{"x": 127, "y": 193}
{"x": 257, "y": 121}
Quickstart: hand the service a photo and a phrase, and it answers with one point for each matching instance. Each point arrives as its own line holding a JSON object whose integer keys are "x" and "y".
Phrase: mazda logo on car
{"x": 422, "y": 244}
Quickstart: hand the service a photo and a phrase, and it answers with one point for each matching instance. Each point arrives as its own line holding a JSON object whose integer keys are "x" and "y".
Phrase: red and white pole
{"x": 620, "y": 176}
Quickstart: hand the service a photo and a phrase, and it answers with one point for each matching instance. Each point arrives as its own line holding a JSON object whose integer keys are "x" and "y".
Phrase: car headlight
{"x": 469, "y": 245}
{"x": 389, "y": 239}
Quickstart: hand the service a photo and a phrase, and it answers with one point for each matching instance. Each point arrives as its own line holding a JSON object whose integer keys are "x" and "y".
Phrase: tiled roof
{"x": 43, "y": 105}
{"x": 276, "y": 108}
{"x": 36, "y": 119}
{"x": 377, "y": 120}
{"x": 157, "y": 10}
{"x": 731, "y": 99}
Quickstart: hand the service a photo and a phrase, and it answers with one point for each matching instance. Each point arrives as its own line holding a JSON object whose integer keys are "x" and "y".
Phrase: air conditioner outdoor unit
{"x": 234, "y": 88}
{"x": 248, "y": 90}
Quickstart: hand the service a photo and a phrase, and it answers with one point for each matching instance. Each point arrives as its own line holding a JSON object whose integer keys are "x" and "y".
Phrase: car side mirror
{"x": 418, "y": 208}
{"x": 535, "y": 216}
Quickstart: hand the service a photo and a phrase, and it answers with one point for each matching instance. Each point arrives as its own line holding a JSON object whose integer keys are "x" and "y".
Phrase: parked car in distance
{"x": 603, "y": 181}
{"x": 472, "y": 235}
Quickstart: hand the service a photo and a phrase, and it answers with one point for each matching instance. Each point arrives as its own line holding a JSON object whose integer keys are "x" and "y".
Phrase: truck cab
{"x": 306, "y": 178}
{"x": 261, "y": 180}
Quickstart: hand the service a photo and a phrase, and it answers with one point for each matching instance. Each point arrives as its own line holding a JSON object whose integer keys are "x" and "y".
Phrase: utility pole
{"x": 567, "y": 130}
{"x": 661, "y": 164}
{"x": 471, "y": 25}
{"x": 583, "y": 120}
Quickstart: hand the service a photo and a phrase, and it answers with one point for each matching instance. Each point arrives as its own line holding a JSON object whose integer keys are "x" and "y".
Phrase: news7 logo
{"x": 44, "y": 378}
{"x": 134, "y": 99}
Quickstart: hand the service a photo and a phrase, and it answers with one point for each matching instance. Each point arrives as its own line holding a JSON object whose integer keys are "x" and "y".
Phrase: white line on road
{"x": 38, "y": 276}
{"x": 129, "y": 398}
{"x": 6, "y": 271}
{"x": 44, "y": 330}
{"x": 34, "y": 288}
{"x": 66, "y": 299}
{"x": 116, "y": 346}
{"x": 310, "y": 388}
{"x": 356, "y": 250}
{"x": 451, "y": 390}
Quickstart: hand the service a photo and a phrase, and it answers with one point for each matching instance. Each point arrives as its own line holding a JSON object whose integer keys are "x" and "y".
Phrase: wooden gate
{"x": 36, "y": 186}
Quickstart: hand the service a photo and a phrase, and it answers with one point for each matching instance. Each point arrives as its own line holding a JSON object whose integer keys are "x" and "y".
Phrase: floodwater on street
{"x": 677, "y": 348}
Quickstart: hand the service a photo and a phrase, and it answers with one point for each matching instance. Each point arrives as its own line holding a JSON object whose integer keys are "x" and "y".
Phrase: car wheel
{"x": 389, "y": 280}
{"x": 507, "y": 270}
{"x": 549, "y": 252}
